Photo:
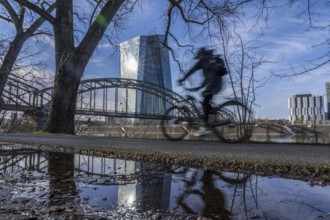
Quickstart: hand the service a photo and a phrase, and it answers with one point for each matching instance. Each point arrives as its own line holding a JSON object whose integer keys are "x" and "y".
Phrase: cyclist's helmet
{"x": 202, "y": 52}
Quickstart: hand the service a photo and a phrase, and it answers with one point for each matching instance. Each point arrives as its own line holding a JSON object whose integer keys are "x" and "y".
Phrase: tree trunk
{"x": 71, "y": 62}
{"x": 8, "y": 63}
{"x": 64, "y": 99}
{"x": 64, "y": 94}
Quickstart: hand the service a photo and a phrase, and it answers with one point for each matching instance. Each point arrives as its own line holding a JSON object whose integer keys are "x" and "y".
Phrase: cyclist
{"x": 214, "y": 69}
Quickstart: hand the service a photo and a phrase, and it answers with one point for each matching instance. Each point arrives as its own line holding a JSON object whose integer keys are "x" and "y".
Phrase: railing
{"x": 115, "y": 97}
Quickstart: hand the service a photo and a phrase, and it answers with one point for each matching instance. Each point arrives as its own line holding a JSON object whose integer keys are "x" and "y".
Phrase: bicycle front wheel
{"x": 233, "y": 123}
{"x": 175, "y": 123}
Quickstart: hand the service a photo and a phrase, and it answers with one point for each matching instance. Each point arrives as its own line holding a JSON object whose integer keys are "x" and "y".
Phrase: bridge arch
{"x": 21, "y": 96}
{"x": 126, "y": 93}
{"x": 101, "y": 97}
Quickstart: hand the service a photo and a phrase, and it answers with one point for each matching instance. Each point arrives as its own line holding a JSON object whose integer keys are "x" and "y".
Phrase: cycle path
{"x": 302, "y": 161}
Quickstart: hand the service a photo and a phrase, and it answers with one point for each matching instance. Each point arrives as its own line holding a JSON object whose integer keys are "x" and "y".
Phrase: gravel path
{"x": 303, "y": 160}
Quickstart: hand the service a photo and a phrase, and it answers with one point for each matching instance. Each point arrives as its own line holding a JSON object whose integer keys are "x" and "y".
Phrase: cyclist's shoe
{"x": 202, "y": 131}
{"x": 176, "y": 122}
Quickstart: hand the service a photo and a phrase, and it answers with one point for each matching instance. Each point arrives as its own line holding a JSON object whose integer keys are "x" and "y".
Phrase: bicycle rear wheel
{"x": 233, "y": 122}
{"x": 175, "y": 123}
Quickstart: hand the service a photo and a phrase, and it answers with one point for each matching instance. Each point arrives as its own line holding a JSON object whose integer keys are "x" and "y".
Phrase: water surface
{"x": 103, "y": 186}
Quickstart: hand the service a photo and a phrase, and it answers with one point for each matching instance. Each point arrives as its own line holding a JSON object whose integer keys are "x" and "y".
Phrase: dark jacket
{"x": 212, "y": 77}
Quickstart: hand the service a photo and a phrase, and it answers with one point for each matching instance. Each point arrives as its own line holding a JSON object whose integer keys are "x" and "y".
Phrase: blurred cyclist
{"x": 214, "y": 69}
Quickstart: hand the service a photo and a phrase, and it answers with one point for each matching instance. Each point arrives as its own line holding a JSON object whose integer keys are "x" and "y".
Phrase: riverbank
{"x": 261, "y": 133}
{"x": 302, "y": 161}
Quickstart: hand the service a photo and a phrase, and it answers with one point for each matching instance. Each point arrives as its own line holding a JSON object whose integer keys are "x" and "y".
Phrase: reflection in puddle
{"x": 99, "y": 184}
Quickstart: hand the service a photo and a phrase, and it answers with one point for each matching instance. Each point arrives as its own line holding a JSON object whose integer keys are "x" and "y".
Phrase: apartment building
{"x": 306, "y": 109}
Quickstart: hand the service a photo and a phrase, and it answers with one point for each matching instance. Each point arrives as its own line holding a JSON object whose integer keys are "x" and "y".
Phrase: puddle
{"x": 54, "y": 185}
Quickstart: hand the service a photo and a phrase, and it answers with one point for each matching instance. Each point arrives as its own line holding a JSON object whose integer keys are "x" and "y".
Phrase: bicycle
{"x": 232, "y": 120}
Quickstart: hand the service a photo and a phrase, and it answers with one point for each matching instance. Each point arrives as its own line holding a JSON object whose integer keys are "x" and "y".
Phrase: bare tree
{"x": 311, "y": 14}
{"x": 71, "y": 59}
{"x": 26, "y": 25}
{"x": 244, "y": 66}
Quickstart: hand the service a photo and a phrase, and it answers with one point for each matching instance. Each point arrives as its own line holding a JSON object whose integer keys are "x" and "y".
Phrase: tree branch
{"x": 39, "y": 21}
{"x": 45, "y": 14}
{"x": 12, "y": 13}
{"x": 6, "y": 19}
{"x": 97, "y": 30}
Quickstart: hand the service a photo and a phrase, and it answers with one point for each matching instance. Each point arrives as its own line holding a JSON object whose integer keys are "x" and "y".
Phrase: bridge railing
{"x": 20, "y": 96}
{"x": 102, "y": 97}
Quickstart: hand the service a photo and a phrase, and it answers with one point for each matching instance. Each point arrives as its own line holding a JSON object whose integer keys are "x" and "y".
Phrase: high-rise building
{"x": 306, "y": 109}
{"x": 141, "y": 194}
{"x": 145, "y": 58}
{"x": 327, "y": 86}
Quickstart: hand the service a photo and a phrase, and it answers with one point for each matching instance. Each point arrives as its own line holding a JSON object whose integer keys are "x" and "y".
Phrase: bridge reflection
{"x": 15, "y": 160}
{"x": 138, "y": 185}
{"x": 111, "y": 184}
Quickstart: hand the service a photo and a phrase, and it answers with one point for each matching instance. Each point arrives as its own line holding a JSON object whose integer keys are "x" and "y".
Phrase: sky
{"x": 289, "y": 45}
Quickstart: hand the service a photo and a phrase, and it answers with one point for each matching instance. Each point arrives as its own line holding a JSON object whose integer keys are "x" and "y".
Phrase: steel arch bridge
{"x": 111, "y": 97}
{"x": 16, "y": 159}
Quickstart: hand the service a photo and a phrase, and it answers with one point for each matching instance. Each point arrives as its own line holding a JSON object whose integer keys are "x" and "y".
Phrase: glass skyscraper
{"x": 145, "y": 58}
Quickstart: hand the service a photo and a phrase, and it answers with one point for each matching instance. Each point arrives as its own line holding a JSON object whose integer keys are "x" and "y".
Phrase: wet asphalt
{"x": 203, "y": 153}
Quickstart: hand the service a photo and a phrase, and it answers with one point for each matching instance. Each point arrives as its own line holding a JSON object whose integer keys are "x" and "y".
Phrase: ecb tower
{"x": 145, "y": 58}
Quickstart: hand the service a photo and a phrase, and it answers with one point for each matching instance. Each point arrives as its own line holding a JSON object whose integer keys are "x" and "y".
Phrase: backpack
{"x": 218, "y": 65}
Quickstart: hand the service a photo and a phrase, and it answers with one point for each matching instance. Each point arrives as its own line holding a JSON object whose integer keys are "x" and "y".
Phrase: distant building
{"x": 327, "y": 87}
{"x": 145, "y": 58}
{"x": 306, "y": 109}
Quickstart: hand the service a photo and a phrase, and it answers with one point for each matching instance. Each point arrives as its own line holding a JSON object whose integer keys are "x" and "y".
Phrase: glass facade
{"x": 145, "y": 58}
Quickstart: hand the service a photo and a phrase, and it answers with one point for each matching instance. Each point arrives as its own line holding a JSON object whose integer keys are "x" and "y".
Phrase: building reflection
{"x": 139, "y": 185}
{"x": 59, "y": 181}
{"x": 150, "y": 190}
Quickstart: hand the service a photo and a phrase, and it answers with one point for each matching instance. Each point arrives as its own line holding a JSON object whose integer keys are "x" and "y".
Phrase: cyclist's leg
{"x": 207, "y": 107}
{"x": 212, "y": 88}
{"x": 206, "y": 104}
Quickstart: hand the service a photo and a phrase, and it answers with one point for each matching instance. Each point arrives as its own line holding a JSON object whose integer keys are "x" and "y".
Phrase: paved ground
{"x": 276, "y": 159}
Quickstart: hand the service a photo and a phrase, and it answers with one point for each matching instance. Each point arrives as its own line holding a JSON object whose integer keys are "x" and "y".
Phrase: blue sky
{"x": 291, "y": 44}
{"x": 290, "y": 41}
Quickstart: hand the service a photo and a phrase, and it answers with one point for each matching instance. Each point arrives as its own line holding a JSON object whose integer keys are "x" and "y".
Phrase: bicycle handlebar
{"x": 193, "y": 89}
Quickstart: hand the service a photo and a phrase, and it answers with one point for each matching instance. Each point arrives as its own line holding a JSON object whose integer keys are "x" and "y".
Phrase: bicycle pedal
{"x": 202, "y": 132}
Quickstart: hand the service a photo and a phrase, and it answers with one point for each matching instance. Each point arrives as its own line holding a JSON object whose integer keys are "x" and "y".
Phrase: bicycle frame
{"x": 229, "y": 123}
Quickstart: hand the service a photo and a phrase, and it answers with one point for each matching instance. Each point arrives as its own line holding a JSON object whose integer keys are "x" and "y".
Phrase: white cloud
{"x": 104, "y": 45}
